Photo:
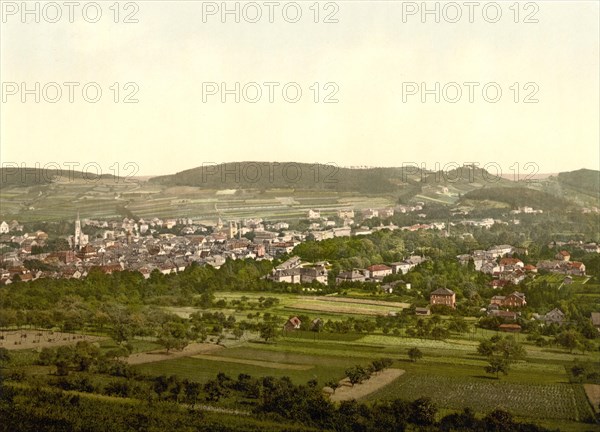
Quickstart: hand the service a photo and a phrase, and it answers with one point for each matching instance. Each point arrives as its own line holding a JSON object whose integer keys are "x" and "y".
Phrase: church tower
{"x": 79, "y": 238}
{"x": 77, "y": 234}
{"x": 77, "y": 228}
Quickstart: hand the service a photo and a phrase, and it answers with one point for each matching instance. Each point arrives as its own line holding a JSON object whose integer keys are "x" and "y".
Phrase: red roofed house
{"x": 293, "y": 323}
{"x": 497, "y": 283}
{"x": 443, "y": 296}
{"x": 379, "y": 270}
{"x": 563, "y": 255}
{"x": 577, "y": 268}
{"x": 510, "y": 262}
{"x": 515, "y": 299}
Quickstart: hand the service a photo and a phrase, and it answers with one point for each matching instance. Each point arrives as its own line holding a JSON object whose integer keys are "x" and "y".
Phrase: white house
{"x": 314, "y": 214}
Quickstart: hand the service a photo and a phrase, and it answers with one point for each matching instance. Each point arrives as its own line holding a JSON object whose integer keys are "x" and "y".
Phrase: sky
{"x": 509, "y": 93}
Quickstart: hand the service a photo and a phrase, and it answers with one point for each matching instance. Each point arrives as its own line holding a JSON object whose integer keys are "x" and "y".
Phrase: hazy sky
{"x": 372, "y": 54}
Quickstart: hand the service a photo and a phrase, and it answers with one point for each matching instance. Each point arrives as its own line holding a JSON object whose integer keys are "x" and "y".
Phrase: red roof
{"x": 510, "y": 261}
{"x": 378, "y": 267}
{"x": 295, "y": 321}
{"x": 515, "y": 327}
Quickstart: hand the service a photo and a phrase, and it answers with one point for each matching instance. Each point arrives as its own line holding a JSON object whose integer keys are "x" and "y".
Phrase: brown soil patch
{"x": 337, "y": 308}
{"x": 347, "y": 392}
{"x": 32, "y": 339}
{"x": 363, "y": 301}
{"x": 267, "y": 364}
{"x": 161, "y": 355}
{"x": 593, "y": 393}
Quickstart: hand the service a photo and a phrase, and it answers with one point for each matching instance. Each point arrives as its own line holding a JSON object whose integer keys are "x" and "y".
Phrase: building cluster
{"x": 499, "y": 263}
{"x": 295, "y": 271}
{"x": 170, "y": 245}
{"x": 376, "y": 272}
{"x": 526, "y": 210}
{"x": 562, "y": 264}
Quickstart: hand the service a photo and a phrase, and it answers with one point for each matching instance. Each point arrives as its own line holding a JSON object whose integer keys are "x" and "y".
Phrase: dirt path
{"x": 593, "y": 393}
{"x": 31, "y": 339}
{"x": 161, "y": 355}
{"x": 347, "y": 392}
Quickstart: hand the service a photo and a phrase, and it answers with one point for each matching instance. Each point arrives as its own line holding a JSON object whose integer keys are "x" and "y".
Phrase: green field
{"x": 536, "y": 390}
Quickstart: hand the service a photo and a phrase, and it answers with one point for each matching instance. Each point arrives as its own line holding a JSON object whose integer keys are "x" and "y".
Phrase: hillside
{"x": 584, "y": 180}
{"x": 280, "y": 191}
{"x": 265, "y": 175}
{"x": 27, "y": 177}
{"x": 519, "y": 197}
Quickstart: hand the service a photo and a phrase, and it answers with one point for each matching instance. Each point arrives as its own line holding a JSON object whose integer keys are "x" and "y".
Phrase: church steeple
{"x": 79, "y": 238}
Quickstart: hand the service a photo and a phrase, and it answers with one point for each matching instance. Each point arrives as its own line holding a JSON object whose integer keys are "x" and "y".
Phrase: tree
{"x": 4, "y": 355}
{"x": 357, "y": 374}
{"x": 267, "y": 331}
{"x": 439, "y": 333}
{"x": 423, "y": 411}
{"x": 238, "y": 333}
{"x": 333, "y": 384}
{"x": 214, "y": 391}
{"x": 458, "y": 324}
{"x": 507, "y": 347}
{"x": 192, "y": 391}
{"x": 510, "y": 349}
{"x": 485, "y": 348}
{"x": 85, "y": 355}
{"x": 568, "y": 339}
{"x": 586, "y": 345}
{"x": 173, "y": 336}
{"x": 498, "y": 421}
{"x": 496, "y": 366}
{"x": 160, "y": 385}
{"x": 415, "y": 354}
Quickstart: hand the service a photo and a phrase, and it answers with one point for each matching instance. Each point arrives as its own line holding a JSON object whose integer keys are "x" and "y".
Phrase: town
{"x": 399, "y": 290}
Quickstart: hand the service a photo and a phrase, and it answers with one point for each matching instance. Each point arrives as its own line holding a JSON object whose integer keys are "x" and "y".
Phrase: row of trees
{"x": 280, "y": 404}
{"x": 357, "y": 374}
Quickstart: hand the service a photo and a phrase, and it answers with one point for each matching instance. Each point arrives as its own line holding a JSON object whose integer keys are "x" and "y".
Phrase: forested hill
{"x": 268, "y": 175}
{"x": 583, "y": 180}
{"x": 26, "y": 177}
{"x": 519, "y": 197}
{"x": 467, "y": 175}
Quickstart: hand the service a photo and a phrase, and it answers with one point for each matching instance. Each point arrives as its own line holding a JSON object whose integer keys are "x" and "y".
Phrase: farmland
{"x": 324, "y": 305}
{"x": 112, "y": 198}
{"x": 537, "y": 389}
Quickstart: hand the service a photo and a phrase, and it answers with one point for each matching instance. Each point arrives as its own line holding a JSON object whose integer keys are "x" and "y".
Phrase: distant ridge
{"x": 285, "y": 175}
{"x": 25, "y": 176}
